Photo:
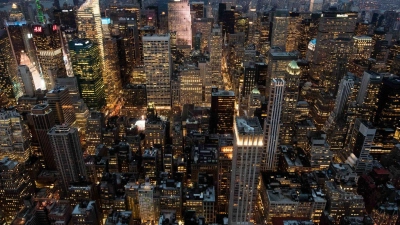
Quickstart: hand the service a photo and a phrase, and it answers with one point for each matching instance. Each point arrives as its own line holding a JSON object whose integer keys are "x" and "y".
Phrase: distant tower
{"x": 179, "y": 20}
{"x": 39, "y": 12}
{"x": 68, "y": 154}
{"x": 272, "y": 126}
{"x": 248, "y": 146}
{"x": 158, "y": 67}
{"x": 43, "y": 120}
{"x": 216, "y": 55}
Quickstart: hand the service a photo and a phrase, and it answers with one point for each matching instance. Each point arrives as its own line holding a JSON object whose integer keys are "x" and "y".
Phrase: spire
{"x": 39, "y": 9}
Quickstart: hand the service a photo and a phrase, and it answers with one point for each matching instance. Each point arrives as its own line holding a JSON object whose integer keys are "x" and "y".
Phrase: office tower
{"x": 242, "y": 26}
{"x": 203, "y": 27}
{"x": 171, "y": 196}
{"x": 316, "y": 5}
{"x": 9, "y": 83}
{"x": 249, "y": 79}
{"x": 94, "y": 131}
{"x": 334, "y": 27}
{"x": 280, "y": 29}
{"x": 272, "y": 124}
{"x": 191, "y": 86}
{"x": 277, "y": 66}
{"x": 248, "y": 145}
{"x": 147, "y": 205}
{"x": 43, "y": 118}
{"x": 88, "y": 19}
{"x": 362, "y": 47}
{"x": 47, "y": 39}
{"x": 86, "y": 213}
{"x": 197, "y": 9}
{"x": 368, "y": 95}
{"x": 60, "y": 102}
{"x": 112, "y": 80}
{"x": 361, "y": 141}
{"x": 14, "y": 136}
{"x": 291, "y": 96}
{"x": 135, "y": 100}
{"x": 319, "y": 151}
{"x": 158, "y": 67}
{"x": 28, "y": 85}
{"x": 68, "y": 154}
{"x": 387, "y": 114}
{"x": 179, "y": 20}
{"x": 380, "y": 45}
{"x": 16, "y": 185}
{"x": 128, "y": 51}
{"x": 294, "y": 34}
{"x": 216, "y": 55}
{"x": 91, "y": 87}
{"x": 222, "y": 111}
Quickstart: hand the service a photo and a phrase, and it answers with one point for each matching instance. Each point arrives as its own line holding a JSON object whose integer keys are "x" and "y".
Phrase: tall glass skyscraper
{"x": 86, "y": 64}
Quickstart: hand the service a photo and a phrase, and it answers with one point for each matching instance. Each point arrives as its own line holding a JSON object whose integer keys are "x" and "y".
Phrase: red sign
{"x": 54, "y": 27}
{"x": 37, "y": 29}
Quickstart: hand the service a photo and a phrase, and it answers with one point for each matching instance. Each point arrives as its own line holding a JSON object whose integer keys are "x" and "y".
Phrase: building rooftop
{"x": 248, "y": 125}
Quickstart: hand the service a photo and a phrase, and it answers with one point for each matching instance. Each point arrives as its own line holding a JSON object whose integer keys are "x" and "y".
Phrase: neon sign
{"x": 54, "y": 27}
{"x": 37, "y": 29}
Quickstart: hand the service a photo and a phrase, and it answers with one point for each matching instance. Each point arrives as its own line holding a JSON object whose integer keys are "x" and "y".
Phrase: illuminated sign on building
{"x": 37, "y": 29}
{"x": 54, "y": 27}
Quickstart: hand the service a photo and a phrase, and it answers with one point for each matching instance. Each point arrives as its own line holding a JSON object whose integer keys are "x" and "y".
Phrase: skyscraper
{"x": 158, "y": 67}
{"x": 9, "y": 84}
{"x": 248, "y": 145}
{"x": 94, "y": 131}
{"x": 272, "y": 124}
{"x": 68, "y": 154}
{"x": 89, "y": 23}
{"x": 280, "y": 29}
{"x": 86, "y": 63}
{"x": 179, "y": 20}
{"x": 60, "y": 102}
{"x": 222, "y": 111}
{"x": 47, "y": 39}
{"x": 216, "y": 55}
{"x": 387, "y": 113}
{"x": 43, "y": 120}
{"x": 361, "y": 141}
{"x": 28, "y": 85}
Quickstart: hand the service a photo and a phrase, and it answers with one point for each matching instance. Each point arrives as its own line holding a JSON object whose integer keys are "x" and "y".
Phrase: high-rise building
{"x": 112, "y": 78}
{"x": 47, "y": 39}
{"x": 43, "y": 120}
{"x": 86, "y": 63}
{"x": 88, "y": 20}
{"x": 222, "y": 111}
{"x": 316, "y": 5}
{"x": 191, "y": 86}
{"x": 15, "y": 185}
{"x": 280, "y": 29}
{"x": 14, "y": 136}
{"x": 368, "y": 95}
{"x": 28, "y": 85}
{"x": 387, "y": 113}
{"x": 94, "y": 131}
{"x": 179, "y": 20}
{"x": 362, "y": 47}
{"x": 9, "y": 84}
{"x": 248, "y": 145}
{"x": 197, "y": 9}
{"x": 361, "y": 141}
{"x": 60, "y": 102}
{"x": 272, "y": 124}
{"x": 319, "y": 151}
{"x": 158, "y": 68}
{"x": 216, "y": 55}
{"x": 68, "y": 154}
{"x": 147, "y": 206}
{"x": 278, "y": 65}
